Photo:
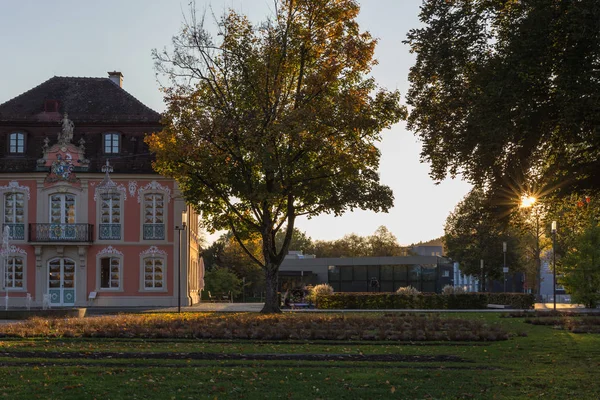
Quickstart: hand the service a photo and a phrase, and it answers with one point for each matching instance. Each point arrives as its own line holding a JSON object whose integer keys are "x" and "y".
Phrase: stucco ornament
{"x": 15, "y": 187}
{"x": 12, "y": 250}
{"x": 132, "y": 187}
{"x": 110, "y": 251}
{"x": 153, "y": 251}
{"x": 107, "y": 185}
{"x": 66, "y": 134}
{"x": 154, "y": 186}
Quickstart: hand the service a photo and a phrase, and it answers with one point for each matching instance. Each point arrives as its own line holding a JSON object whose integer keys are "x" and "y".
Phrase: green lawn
{"x": 546, "y": 363}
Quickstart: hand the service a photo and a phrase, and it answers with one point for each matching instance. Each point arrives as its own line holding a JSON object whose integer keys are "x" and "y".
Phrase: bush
{"x": 428, "y": 301}
{"x": 408, "y": 290}
{"x": 514, "y": 300}
{"x": 450, "y": 289}
{"x": 319, "y": 290}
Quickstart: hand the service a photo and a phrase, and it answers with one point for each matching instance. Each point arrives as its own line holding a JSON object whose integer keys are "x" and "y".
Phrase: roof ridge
{"x": 78, "y": 86}
{"x": 27, "y": 91}
{"x": 132, "y": 96}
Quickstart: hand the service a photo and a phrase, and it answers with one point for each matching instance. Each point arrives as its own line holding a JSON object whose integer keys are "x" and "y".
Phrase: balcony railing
{"x": 110, "y": 231}
{"x": 16, "y": 231}
{"x": 61, "y": 232}
{"x": 154, "y": 231}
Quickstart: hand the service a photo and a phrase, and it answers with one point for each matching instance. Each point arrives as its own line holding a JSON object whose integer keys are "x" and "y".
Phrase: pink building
{"x": 82, "y": 233}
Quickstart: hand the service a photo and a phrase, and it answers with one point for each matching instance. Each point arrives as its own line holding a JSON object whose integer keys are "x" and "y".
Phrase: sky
{"x": 41, "y": 39}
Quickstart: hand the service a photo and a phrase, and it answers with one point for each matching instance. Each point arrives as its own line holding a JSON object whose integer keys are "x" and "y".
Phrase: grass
{"x": 548, "y": 362}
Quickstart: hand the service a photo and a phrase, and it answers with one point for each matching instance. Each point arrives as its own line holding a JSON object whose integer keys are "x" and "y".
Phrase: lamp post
{"x": 554, "y": 262}
{"x": 179, "y": 229}
{"x": 504, "y": 269}
{"x": 482, "y": 286}
{"x": 528, "y": 201}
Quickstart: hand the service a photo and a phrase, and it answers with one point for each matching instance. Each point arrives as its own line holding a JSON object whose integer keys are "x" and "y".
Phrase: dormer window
{"x": 111, "y": 143}
{"x": 16, "y": 143}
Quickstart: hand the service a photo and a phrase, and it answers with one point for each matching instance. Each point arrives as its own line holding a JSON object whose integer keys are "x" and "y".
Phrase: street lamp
{"x": 554, "y": 262}
{"x": 179, "y": 229}
{"x": 528, "y": 201}
{"x": 504, "y": 269}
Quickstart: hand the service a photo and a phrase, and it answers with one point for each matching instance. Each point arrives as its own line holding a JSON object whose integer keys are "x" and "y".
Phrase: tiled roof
{"x": 84, "y": 99}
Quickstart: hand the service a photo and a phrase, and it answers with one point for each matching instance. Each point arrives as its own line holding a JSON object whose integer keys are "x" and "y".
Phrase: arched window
{"x": 16, "y": 143}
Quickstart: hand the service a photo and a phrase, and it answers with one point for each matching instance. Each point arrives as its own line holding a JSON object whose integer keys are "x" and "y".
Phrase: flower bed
{"x": 393, "y": 327}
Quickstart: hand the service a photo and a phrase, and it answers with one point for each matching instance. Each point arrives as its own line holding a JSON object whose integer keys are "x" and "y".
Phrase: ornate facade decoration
{"x": 109, "y": 251}
{"x": 132, "y": 187}
{"x": 154, "y": 186}
{"x": 14, "y": 186}
{"x": 107, "y": 185}
{"x": 13, "y": 250}
{"x": 153, "y": 251}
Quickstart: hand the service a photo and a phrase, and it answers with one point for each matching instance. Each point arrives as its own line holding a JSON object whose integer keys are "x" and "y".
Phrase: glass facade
{"x": 383, "y": 278}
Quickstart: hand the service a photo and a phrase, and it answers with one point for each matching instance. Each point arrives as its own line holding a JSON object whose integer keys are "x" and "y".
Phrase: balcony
{"x": 16, "y": 231}
{"x": 154, "y": 231}
{"x": 61, "y": 233}
{"x": 110, "y": 231}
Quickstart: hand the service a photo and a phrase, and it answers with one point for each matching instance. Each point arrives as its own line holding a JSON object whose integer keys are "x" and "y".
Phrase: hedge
{"x": 466, "y": 301}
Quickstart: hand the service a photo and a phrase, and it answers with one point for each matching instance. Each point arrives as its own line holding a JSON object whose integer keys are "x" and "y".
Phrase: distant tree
{"x": 506, "y": 91}
{"x": 577, "y": 245}
{"x": 236, "y": 259}
{"x": 300, "y": 241}
{"x": 222, "y": 280}
{"x": 383, "y": 243}
{"x": 274, "y": 121}
{"x": 472, "y": 233}
{"x": 580, "y": 267}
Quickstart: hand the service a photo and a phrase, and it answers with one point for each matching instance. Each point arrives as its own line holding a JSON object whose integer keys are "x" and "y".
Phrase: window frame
{"x": 111, "y": 147}
{"x": 17, "y": 135}
{"x": 4, "y": 216}
{"x": 109, "y": 253}
{"x": 153, "y": 257}
{"x": 165, "y": 211}
{"x": 14, "y": 253}
{"x": 110, "y": 259}
{"x": 120, "y": 202}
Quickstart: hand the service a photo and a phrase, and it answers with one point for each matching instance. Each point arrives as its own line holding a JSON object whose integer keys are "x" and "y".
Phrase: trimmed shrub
{"x": 449, "y": 289}
{"x": 425, "y": 301}
{"x": 514, "y": 300}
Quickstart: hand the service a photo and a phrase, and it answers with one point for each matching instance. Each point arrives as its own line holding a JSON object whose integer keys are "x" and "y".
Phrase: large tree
{"x": 505, "y": 92}
{"x": 273, "y": 121}
{"x": 473, "y": 233}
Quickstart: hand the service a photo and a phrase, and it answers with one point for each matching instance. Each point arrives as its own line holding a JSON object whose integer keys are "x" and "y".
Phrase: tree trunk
{"x": 271, "y": 282}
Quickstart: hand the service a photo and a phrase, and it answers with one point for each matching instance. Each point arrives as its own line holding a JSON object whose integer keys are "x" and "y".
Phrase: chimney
{"x": 116, "y": 78}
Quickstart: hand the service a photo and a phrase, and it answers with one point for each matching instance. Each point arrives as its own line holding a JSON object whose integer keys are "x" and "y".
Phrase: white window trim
{"x": 98, "y": 199}
{"x": 14, "y": 251}
{"x": 109, "y": 252}
{"x": 166, "y": 198}
{"x": 154, "y": 253}
{"x": 26, "y": 196}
